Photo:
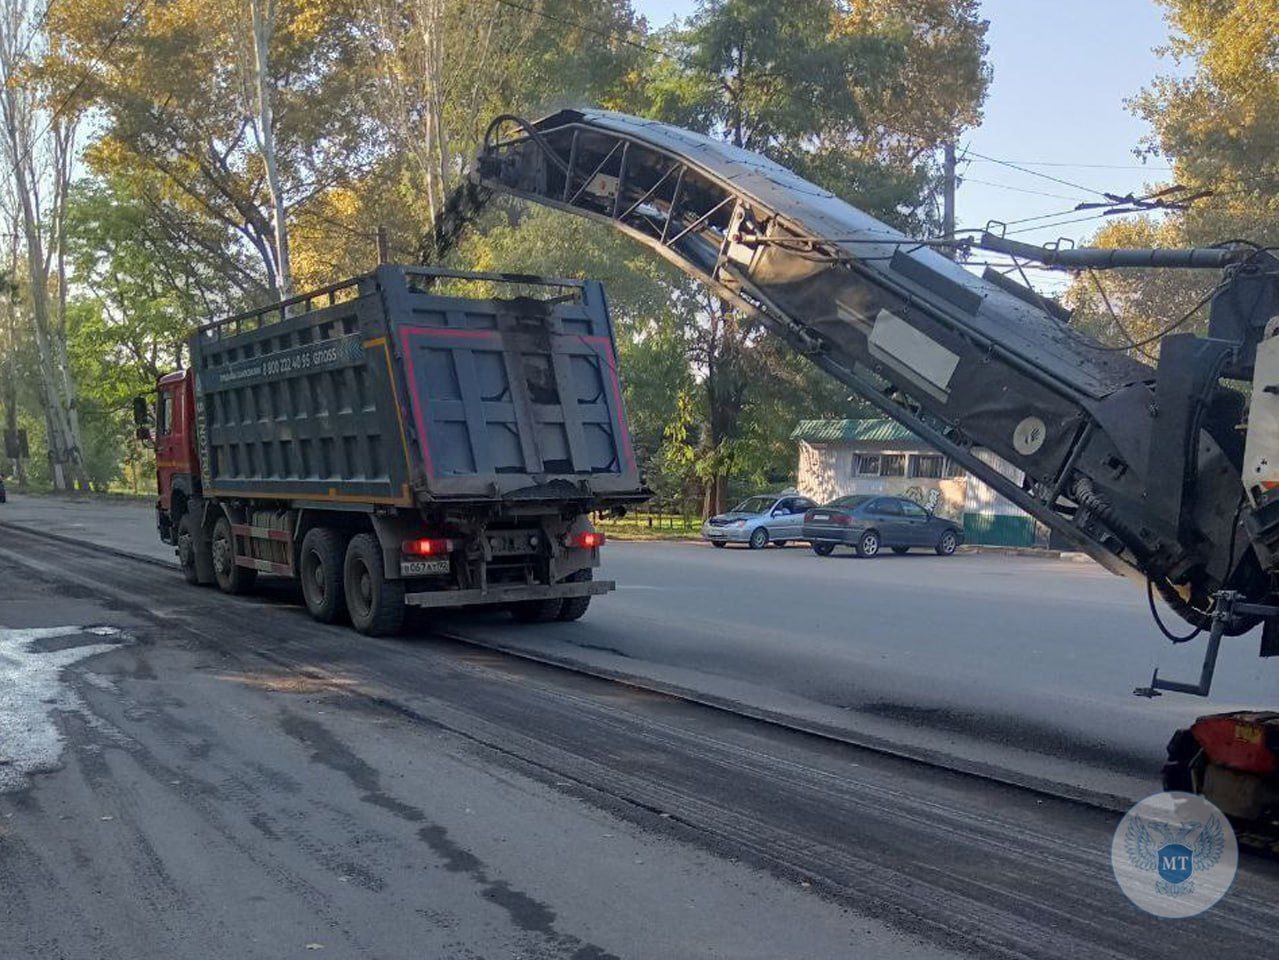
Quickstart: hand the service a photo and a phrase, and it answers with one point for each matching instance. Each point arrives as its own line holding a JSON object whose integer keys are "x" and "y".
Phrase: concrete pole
{"x": 948, "y": 197}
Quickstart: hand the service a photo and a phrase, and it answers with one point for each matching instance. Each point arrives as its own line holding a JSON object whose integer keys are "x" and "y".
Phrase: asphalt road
{"x": 230, "y": 779}
{"x": 1021, "y": 665}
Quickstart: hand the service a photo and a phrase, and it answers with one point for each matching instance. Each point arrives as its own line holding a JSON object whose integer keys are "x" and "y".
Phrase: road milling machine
{"x": 1165, "y": 473}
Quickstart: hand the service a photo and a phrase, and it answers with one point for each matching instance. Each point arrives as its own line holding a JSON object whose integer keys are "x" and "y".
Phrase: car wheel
{"x": 868, "y": 545}
{"x": 718, "y": 544}
{"x": 376, "y": 604}
{"x": 948, "y": 544}
{"x": 322, "y": 556}
{"x": 900, "y": 551}
{"x": 759, "y": 538}
{"x": 231, "y": 577}
{"x": 823, "y": 549}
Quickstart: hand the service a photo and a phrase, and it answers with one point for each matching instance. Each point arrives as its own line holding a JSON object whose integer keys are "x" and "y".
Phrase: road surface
{"x": 234, "y": 780}
{"x": 1022, "y": 665}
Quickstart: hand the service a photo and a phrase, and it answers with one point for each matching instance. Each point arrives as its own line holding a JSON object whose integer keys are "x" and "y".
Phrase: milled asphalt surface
{"x": 1022, "y": 664}
{"x": 238, "y": 781}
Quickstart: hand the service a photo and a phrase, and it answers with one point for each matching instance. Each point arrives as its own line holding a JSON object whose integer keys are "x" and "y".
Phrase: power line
{"x": 1062, "y": 223}
{"x": 1005, "y": 186}
{"x": 1036, "y": 173}
{"x": 1024, "y": 168}
{"x": 577, "y": 24}
{"x": 1080, "y": 166}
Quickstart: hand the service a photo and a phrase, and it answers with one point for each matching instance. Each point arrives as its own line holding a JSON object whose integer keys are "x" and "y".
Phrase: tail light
{"x": 586, "y": 540}
{"x": 842, "y": 519}
{"x": 427, "y": 547}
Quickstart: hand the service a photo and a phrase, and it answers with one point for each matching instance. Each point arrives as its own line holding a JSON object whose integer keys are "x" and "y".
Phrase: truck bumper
{"x": 507, "y": 594}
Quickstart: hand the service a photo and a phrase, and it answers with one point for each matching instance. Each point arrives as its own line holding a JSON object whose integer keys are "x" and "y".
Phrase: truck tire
{"x": 320, "y": 564}
{"x": 188, "y": 537}
{"x": 376, "y": 604}
{"x": 573, "y": 608}
{"x": 231, "y": 577}
{"x": 537, "y": 611}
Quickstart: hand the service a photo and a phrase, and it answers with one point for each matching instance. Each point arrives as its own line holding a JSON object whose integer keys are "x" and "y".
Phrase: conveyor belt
{"x": 962, "y": 361}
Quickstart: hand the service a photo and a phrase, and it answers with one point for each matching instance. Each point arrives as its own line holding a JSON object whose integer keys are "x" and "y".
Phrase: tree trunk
{"x": 57, "y": 388}
{"x": 263, "y": 13}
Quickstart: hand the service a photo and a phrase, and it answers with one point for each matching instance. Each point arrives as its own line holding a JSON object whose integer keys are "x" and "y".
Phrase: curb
{"x": 1044, "y": 553}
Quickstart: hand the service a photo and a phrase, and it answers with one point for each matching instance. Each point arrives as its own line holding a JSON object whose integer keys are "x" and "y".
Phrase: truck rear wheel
{"x": 537, "y": 611}
{"x": 320, "y": 565}
{"x": 231, "y": 577}
{"x": 376, "y": 604}
{"x": 575, "y": 607}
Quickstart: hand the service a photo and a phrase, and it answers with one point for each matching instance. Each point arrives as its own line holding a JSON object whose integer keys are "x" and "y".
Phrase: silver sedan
{"x": 759, "y": 521}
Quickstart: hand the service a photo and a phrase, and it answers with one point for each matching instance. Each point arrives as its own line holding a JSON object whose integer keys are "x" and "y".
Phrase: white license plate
{"x": 422, "y": 568}
{"x": 821, "y": 516}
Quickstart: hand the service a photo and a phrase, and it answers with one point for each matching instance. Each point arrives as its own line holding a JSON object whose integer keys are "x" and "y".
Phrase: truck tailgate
{"x": 515, "y": 397}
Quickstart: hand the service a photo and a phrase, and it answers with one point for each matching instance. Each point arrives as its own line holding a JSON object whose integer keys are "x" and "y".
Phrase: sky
{"x": 1062, "y": 72}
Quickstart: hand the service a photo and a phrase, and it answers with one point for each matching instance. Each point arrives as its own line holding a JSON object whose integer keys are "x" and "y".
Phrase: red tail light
{"x": 842, "y": 519}
{"x": 426, "y": 547}
{"x": 587, "y": 540}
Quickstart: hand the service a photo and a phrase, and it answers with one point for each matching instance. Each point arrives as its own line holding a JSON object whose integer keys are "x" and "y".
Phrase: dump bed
{"x": 382, "y": 390}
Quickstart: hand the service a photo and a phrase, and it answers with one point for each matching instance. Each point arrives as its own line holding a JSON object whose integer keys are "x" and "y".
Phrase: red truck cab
{"x": 177, "y": 468}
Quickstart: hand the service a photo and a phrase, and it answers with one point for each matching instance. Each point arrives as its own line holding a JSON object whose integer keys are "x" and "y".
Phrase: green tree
{"x": 852, "y": 96}
{"x": 182, "y": 118}
{"x": 1217, "y": 121}
{"x": 1219, "y": 124}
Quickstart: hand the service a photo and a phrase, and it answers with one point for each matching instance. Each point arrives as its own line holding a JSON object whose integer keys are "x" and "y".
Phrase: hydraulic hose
{"x": 1087, "y": 497}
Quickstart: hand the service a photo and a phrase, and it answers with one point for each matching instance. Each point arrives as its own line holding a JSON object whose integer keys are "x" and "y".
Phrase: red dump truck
{"x": 389, "y": 445}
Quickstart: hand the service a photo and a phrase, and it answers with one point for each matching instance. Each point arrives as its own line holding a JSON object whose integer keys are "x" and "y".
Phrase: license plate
{"x": 422, "y": 568}
{"x": 821, "y": 516}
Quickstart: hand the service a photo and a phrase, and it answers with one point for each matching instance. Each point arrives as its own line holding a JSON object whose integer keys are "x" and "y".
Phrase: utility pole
{"x": 948, "y": 198}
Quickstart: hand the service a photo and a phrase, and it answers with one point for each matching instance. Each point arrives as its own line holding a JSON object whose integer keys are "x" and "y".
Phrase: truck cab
{"x": 177, "y": 469}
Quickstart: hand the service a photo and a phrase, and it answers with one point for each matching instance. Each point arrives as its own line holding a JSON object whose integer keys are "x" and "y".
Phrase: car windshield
{"x": 753, "y": 505}
{"x": 855, "y": 501}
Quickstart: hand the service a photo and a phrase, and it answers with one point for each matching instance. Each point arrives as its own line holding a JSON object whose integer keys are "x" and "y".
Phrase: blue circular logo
{"x": 1174, "y": 854}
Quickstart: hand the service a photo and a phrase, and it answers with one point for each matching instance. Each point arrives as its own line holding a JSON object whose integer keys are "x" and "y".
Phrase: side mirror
{"x": 141, "y": 413}
{"x": 143, "y": 434}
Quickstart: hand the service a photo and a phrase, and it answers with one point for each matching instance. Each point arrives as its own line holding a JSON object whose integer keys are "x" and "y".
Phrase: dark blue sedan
{"x": 868, "y": 523}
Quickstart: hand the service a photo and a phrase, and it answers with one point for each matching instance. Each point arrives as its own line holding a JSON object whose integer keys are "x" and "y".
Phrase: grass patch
{"x": 646, "y": 526}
